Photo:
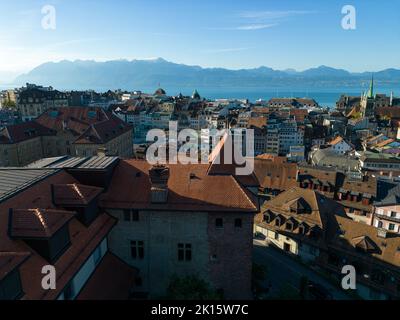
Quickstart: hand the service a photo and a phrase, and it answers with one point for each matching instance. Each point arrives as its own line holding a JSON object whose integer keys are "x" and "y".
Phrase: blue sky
{"x": 220, "y": 33}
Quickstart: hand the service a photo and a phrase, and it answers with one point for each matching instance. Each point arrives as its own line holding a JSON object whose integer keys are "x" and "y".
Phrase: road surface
{"x": 285, "y": 272}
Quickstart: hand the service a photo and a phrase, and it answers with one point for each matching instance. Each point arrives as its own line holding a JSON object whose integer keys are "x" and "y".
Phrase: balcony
{"x": 388, "y": 218}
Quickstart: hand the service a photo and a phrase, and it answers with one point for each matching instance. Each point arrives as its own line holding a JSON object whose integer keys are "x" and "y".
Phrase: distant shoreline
{"x": 325, "y": 97}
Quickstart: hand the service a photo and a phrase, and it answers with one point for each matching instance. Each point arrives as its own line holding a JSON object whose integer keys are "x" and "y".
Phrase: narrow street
{"x": 283, "y": 272}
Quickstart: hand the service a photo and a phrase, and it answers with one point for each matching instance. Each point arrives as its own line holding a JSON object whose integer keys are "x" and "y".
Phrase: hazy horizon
{"x": 227, "y": 34}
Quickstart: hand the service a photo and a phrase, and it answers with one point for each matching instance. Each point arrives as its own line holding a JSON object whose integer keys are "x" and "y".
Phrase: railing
{"x": 382, "y": 216}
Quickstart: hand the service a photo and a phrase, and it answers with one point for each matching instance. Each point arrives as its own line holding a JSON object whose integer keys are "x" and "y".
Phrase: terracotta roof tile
{"x": 275, "y": 175}
{"x": 113, "y": 279}
{"x": 74, "y": 194}
{"x": 11, "y": 260}
{"x": 83, "y": 239}
{"x": 189, "y": 188}
{"x": 37, "y": 223}
{"x": 24, "y": 131}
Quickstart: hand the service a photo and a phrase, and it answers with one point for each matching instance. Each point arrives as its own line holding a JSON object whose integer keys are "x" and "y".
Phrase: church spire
{"x": 371, "y": 88}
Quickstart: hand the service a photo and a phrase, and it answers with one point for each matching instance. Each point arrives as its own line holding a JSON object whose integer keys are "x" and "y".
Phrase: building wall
{"x": 217, "y": 254}
{"x": 341, "y": 147}
{"x": 120, "y": 146}
{"x": 161, "y": 231}
{"x": 35, "y": 107}
{"x": 230, "y": 254}
{"x": 306, "y": 252}
{"x": 21, "y": 153}
{"x": 389, "y": 216}
{"x": 60, "y": 144}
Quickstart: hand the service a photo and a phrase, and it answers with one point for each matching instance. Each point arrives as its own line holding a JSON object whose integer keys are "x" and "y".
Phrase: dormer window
{"x": 300, "y": 206}
{"x": 289, "y": 226}
{"x": 79, "y": 198}
{"x": 268, "y": 216}
{"x": 302, "y": 228}
{"x": 44, "y": 230}
{"x": 279, "y": 221}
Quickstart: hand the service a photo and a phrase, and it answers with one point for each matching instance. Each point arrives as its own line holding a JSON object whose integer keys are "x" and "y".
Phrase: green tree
{"x": 191, "y": 288}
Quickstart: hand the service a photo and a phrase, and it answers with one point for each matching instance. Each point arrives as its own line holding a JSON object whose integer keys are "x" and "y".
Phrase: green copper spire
{"x": 371, "y": 88}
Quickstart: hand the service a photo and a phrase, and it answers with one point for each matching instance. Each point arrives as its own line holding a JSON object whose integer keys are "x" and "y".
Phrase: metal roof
{"x": 42, "y": 163}
{"x": 66, "y": 162}
{"x": 98, "y": 163}
{"x": 14, "y": 180}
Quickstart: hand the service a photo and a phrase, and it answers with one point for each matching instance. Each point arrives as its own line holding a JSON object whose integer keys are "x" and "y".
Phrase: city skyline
{"x": 229, "y": 35}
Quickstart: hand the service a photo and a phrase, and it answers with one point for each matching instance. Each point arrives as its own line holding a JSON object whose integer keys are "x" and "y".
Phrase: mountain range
{"x": 143, "y": 74}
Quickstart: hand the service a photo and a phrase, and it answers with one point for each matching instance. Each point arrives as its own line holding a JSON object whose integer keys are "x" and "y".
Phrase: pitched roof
{"x": 335, "y": 141}
{"x": 353, "y": 234}
{"x": 257, "y": 122}
{"x": 366, "y": 186}
{"x": 365, "y": 243}
{"x": 37, "y": 223}
{"x": 392, "y": 197}
{"x": 104, "y": 131}
{"x": 320, "y": 206}
{"x": 74, "y": 194}
{"x": 23, "y": 131}
{"x": 321, "y": 174}
{"x": 299, "y": 114}
{"x": 275, "y": 175}
{"x": 74, "y": 119}
{"x": 11, "y": 260}
{"x": 84, "y": 239}
{"x": 113, "y": 279}
{"x": 190, "y": 187}
{"x": 14, "y": 180}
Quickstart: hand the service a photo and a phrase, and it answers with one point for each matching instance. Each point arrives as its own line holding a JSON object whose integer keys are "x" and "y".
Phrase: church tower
{"x": 367, "y": 100}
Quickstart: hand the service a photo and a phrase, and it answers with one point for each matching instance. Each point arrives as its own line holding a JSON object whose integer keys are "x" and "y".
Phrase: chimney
{"x": 159, "y": 175}
{"x": 102, "y": 152}
{"x": 382, "y": 233}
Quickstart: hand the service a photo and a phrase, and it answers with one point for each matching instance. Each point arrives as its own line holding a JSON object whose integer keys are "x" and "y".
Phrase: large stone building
{"x": 81, "y": 131}
{"x": 34, "y": 100}
{"x": 183, "y": 221}
{"x": 179, "y": 220}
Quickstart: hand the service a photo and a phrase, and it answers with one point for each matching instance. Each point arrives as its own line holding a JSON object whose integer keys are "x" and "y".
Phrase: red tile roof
{"x": 37, "y": 223}
{"x": 74, "y": 119}
{"x": 24, "y": 131}
{"x": 11, "y": 260}
{"x": 275, "y": 175}
{"x": 112, "y": 280}
{"x": 190, "y": 188}
{"x": 74, "y": 194}
{"x": 104, "y": 131}
{"x": 83, "y": 239}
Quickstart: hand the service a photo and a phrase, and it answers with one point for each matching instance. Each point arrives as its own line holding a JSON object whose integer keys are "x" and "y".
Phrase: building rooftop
{"x": 67, "y": 162}
{"x": 190, "y": 187}
{"x": 14, "y": 180}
